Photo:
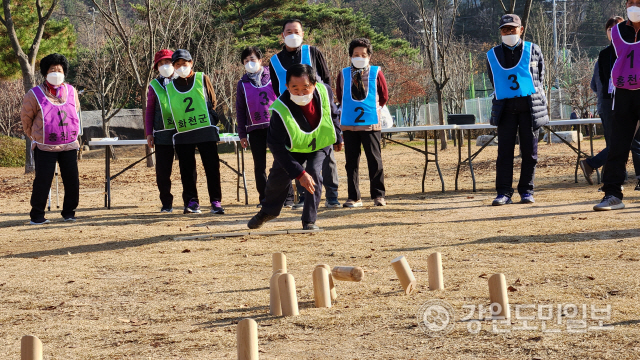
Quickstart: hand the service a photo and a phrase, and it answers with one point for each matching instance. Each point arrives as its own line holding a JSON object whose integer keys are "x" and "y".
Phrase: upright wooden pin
{"x": 347, "y": 273}
{"x": 279, "y": 262}
{"x": 247, "y": 338}
{"x": 404, "y": 273}
{"x": 274, "y": 294}
{"x": 434, "y": 266}
{"x": 288, "y": 297}
{"x": 321, "y": 290}
{"x": 332, "y": 287}
{"x": 30, "y": 348}
{"x": 498, "y": 295}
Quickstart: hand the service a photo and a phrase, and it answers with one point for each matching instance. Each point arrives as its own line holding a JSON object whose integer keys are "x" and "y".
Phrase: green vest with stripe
{"x": 189, "y": 109}
{"x": 165, "y": 121}
{"x": 307, "y": 142}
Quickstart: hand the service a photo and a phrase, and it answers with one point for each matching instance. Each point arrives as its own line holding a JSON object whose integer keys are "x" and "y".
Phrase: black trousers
{"x": 258, "y": 143}
{"x": 45, "y": 166}
{"x": 511, "y": 125}
{"x": 279, "y": 185}
{"x": 330, "y": 176}
{"x": 211, "y": 162}
{"x": 370, "y": 141}
{"x": 164, "y": 166}
{"x": 626, "y": 113}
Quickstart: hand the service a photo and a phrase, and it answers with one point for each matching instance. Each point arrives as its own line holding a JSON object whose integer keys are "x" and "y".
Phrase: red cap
{"x": 161, "y": 55}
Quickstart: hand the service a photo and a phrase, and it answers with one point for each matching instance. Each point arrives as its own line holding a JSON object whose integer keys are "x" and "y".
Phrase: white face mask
{"x": 183, "y": 71}
{"x": 633, "y": 13}
{"x": 302, "y": 100}
{"x": 252, "y": 67}
{"x": 360, "y": 63}
{"x": 510, "y": 40}
{"x": 293, "y": 41}
{"x": 166, "y": 70}
{"x": 55, "y": 78}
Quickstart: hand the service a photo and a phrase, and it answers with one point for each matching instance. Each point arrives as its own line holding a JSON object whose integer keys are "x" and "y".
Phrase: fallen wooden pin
{"x": 347, "y": 273}
{"x": 275, "y": 308}
{"x": 247, "y": 338}
{"x": 404, "y": 273}
{"x": 332, "y": 287}
{"x": 499, "y": 297}
{"x": 321, "y": 289}
{"x": 288, "y": 296}
{"x": 245, "y": 233}
{"x": 30, "y": 348}
{"x": 434, "y": 267}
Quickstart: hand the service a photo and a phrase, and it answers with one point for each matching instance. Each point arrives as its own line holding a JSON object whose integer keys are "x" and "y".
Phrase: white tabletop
{"x": 106, "y": 142}
{"x": 419, "y": 128}
{"x": 485, "y": 126}
{"x": 575, "y": 122}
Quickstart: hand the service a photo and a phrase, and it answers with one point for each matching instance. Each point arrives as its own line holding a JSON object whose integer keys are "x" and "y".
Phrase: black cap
{"x": 181, "y": 54}
{"x": 510, "y": 20}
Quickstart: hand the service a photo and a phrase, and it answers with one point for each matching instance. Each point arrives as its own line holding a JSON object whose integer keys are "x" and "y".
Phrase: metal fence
{"x": 427, "y": 114}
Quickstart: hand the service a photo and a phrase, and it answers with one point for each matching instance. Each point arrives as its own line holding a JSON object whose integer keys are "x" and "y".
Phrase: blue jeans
{"x": 606, "y": 115}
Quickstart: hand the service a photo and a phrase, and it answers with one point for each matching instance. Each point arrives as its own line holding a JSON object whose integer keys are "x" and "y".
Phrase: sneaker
{"x": 310, "y": 226}
{"x": 637, "y": 186}
{"x": 192, "y": 208}
{"x": 216, "y": 208}
{"x": 609, "y": 202}
{"x": 299, "y": 205}
{"x": 526, "y": 199}
{"x": 70, "y": 218}
{"x": 587, "y": 170}
{"x": 166, "y": 210}
{"x": 502, "y": 200}
{"x": 287, "y": 205}
{"x": 259, "y": 206}
{"x": 352, "y": 203}
{"x": 332, "y": 203}
{"x": 259, "y": 219}
{"x": 39, "y": 222}
{"x": 379, "y": 202}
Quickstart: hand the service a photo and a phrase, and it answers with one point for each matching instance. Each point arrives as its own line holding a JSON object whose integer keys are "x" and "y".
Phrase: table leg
{"x": 108, "y": 155}
{"x": 459, "y": 138}
{"x": 244, "y": 180}
{"x": 235, "y": 146}
{"x": 579, "y": 153}
{"x": 591, "y": 145}
{"x": 426, "y": 161}
{"x": 473, "y": 176}
{"x": 435, "y": 155}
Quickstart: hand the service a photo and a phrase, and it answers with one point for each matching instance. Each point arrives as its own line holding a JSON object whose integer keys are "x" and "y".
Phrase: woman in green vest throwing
{"x": 192, "y": 101}
{"x": 304, "y": 125}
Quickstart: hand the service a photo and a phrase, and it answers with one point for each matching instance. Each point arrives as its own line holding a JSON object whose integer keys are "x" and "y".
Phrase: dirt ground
{"x": 118, "y": 285}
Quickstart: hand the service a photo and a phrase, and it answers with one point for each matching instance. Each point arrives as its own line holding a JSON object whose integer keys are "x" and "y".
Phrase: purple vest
{"x": 259, "y": 99}
{"x": 61, "y": 124}
{"x": 626, "y": 71}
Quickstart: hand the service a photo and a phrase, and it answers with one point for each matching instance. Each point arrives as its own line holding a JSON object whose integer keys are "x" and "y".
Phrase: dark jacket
{"x": 154, "y": 115}
{"x": 278, "y": 136}
{"x": 205, "y": 134}
{"x": 606, "y": 58}
{"x": 288, "y": 59}
{"x": 242, "y": 110}
{"x": 537, "y": 102}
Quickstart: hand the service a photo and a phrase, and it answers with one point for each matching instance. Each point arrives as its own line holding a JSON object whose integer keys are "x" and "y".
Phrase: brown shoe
{"x": 379, "y": 202}
{"x": 587, "y": 170}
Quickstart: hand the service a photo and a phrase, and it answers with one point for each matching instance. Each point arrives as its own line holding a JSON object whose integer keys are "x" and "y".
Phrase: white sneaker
{"x": 352, "y": 203}
{"x": 609, "y": 202}
{"x": 45, "y": 221}
{"x": 170, "y": 210}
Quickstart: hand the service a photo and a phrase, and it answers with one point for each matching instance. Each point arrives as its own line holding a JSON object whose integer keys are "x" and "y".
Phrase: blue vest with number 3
{"x": 281, "y": 72}
{"x": 359, "y": 112}
{"x": 516, "y": 81}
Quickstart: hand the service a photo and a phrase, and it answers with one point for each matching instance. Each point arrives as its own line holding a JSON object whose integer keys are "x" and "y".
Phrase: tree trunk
{"x": 147, "y": 149}
{"x": 443, "y": 135}
{"x": 28, "y": 81}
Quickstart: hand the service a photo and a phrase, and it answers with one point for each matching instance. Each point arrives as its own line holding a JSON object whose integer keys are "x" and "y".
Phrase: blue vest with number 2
{"x": 516, "y": 81}
{"x": 281, "y": 72}
{"x": 359, "y": 112}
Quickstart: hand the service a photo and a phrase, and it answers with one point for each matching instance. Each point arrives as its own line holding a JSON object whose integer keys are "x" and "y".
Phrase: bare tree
{"x": 27, "y": 61}
{"x": 455, "y": 92}
{"x": 10, "y": 105}
{"x": 434, "y": 27}
{"x": 577, "y": 83}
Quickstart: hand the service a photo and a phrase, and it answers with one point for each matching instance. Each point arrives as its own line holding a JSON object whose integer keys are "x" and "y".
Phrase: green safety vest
{"x": 307, "y": 142}
{"x": 189, "y": 109}
{"x": 165, "y": 109}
